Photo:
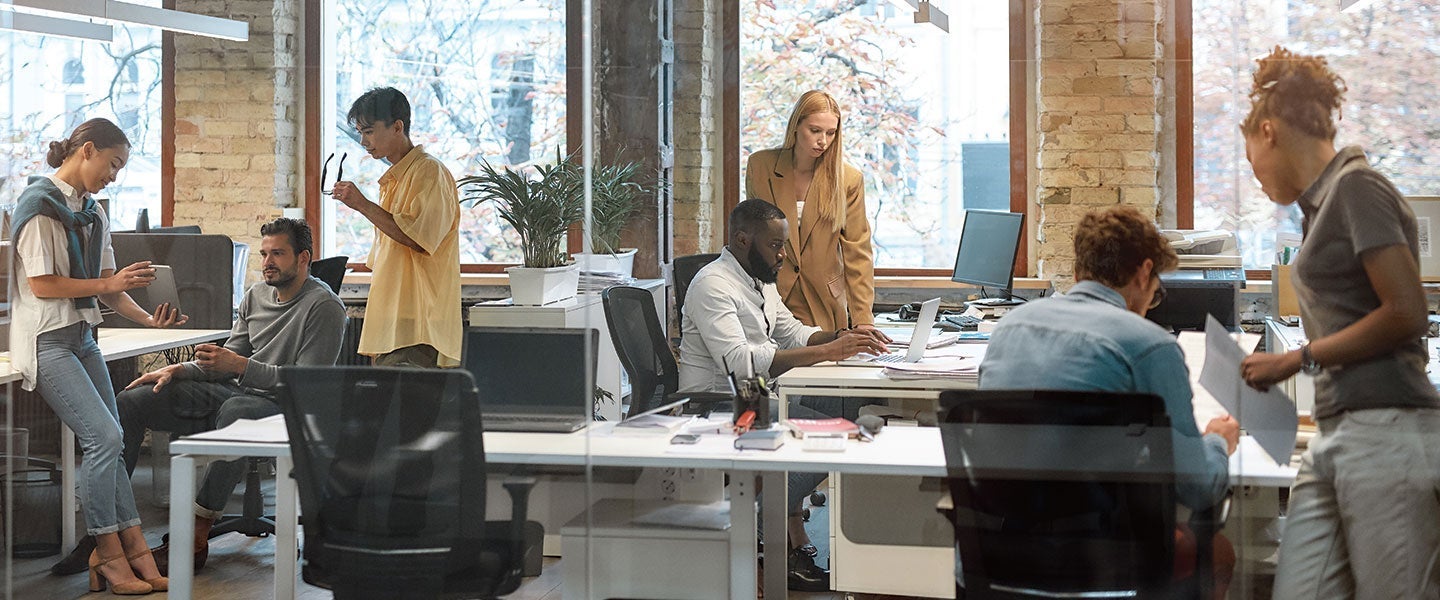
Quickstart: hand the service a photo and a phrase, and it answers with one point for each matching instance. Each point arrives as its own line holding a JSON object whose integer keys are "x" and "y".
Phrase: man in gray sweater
{"x": 290, "y": 319}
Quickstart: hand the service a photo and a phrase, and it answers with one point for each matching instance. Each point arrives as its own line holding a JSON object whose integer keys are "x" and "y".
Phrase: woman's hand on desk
{"x": 1262, "y": 369}
{"x": 1226, "y": 427}
{"x": 165, "y": 316}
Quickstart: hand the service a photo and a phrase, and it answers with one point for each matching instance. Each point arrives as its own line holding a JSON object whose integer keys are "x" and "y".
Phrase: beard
{"x": 760, "y": 269}
{"x": 280, "y": 279}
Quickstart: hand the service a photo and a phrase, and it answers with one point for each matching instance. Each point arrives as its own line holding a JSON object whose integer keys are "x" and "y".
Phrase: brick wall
{"x": 236, "y": 121}
{"x": 697, "y": 137}
{"x": 1098, "y": 99}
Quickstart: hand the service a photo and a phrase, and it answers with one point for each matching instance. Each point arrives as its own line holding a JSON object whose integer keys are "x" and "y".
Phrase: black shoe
{"x": 806, "y": 576}
{"x": 79, "y": 559}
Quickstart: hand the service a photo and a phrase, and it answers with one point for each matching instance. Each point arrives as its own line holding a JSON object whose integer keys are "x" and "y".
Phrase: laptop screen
{"x": 532, "y": 370}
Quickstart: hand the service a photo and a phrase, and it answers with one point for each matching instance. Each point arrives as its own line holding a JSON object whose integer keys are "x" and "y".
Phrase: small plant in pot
{"x": 615, "y": 197}
{"x": 540, "y": 209}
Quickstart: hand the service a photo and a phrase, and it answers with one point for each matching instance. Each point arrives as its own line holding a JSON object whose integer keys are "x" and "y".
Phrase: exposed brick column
{"x": 237, "y": 116}
{"x": 697, "y": 138}
{"x": 1098, "y": 100}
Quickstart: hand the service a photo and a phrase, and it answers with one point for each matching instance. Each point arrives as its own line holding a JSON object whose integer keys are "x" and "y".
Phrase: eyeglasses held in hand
{"x": 339, "y": 172}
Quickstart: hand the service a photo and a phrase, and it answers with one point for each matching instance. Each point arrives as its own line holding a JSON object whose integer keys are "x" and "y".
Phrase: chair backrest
{"x": 639, "y": 339}
{"x": 330, "y": 270}
{"x": 684, "y": 270}
{"x": 390, "y": 467}
{"x": 1063, "y": 492}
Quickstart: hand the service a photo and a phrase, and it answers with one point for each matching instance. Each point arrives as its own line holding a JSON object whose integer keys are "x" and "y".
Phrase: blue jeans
{"x": 72, "y": 378}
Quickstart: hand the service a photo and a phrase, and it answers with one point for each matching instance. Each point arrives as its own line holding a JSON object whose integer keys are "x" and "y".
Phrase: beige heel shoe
{"x": 159, "y": 584}
{"x": 98, "y": 581}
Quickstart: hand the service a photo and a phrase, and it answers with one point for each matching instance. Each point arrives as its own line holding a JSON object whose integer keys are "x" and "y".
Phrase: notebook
{"x": 919, "y": 341}
{"x": 536, "y": 379}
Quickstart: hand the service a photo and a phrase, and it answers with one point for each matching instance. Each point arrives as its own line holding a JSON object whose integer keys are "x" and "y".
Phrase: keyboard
{"x": 963, "y": 322}
{"x": 890, "y": 358}
{"x": 531, "y": 422}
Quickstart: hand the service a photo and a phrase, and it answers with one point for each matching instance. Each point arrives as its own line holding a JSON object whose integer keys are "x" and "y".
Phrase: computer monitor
{"x": 1191, "y": 294}
{"x": 988, "y": 243}
{"x": 533, "y": 370}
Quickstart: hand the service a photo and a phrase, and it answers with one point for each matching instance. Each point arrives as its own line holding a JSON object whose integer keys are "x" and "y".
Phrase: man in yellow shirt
{"x": 412, "y": 316}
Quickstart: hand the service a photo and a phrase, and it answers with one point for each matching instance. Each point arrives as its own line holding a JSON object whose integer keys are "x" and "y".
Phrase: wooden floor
{"x": 241, "y": 568}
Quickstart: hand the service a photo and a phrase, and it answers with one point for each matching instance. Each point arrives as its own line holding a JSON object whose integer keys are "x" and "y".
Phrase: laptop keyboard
{"x": 889, "y": 358}
{"x": 528, "y": 422}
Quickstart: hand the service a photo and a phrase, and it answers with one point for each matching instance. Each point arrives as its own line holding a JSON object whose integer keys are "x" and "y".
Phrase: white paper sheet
{"x": 1269, "y": 416}
{"x": 269, "y": 429}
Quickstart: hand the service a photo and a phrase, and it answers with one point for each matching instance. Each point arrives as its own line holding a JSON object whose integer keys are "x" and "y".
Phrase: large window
{"x": 1387, "y": 54}
{"x": 926, "y": 112}
{"x": 48, "y": 85}
{"x": 486, "y": 82}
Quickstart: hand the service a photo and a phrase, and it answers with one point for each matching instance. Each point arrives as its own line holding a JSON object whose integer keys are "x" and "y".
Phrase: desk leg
{"x": 285, "y": 529}
{"x": 67, "y": 488}
{"x": 182, "y": 525}
{"x": 777, "y": 543}
{"x": 742, "y": 535}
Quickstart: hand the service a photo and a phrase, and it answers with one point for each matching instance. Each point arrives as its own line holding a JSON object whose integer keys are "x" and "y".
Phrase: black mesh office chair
{"x": 390, "y": 467}
{"x": 1060, "y": 493}
{"x": 644, "y": 352}
{"x": 684, "y": 270}
{"x": 330, "y": 270}
{"x": 252, "y": 520}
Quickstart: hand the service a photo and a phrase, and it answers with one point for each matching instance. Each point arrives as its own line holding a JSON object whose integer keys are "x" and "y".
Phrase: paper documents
{"x": 939, "y": 367}
{"x": 270, "y": 429}
{"x": 1268, "y": 416}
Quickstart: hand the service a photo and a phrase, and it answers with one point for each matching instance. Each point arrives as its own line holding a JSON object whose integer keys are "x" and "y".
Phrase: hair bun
{"x": 58, "y": 152}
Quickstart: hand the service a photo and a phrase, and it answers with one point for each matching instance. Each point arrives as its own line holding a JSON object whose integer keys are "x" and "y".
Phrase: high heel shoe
{"x": 98, "y": 581}
{"x": 159, "y": 584}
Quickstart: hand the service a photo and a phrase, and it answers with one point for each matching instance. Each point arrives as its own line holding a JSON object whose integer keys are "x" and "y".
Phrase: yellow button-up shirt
{"x": 414, "y": 296}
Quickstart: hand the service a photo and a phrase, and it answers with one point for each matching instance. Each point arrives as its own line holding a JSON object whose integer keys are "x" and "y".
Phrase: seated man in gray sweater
{"x": 290, "y": 319}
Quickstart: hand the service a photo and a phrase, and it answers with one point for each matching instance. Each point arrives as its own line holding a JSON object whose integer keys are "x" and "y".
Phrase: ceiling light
{"x": 80, "y": 30}
{"x": 135, "y": 14}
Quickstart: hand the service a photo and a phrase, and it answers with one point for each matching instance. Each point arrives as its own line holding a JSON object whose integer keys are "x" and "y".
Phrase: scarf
{"x": 42, "y": 197}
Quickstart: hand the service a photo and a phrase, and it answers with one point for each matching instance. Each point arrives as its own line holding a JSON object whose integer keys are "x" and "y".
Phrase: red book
{"x": 822, "y": 427}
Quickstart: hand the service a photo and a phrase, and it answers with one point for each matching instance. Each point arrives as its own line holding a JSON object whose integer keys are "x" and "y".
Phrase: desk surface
{"x": 117, "y": 343}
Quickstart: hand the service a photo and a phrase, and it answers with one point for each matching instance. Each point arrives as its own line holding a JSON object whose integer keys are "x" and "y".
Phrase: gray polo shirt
{"x": 1350, "y": 209}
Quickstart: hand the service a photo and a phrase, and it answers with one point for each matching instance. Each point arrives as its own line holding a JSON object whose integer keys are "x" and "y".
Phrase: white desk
{"x": 115, "y": 344}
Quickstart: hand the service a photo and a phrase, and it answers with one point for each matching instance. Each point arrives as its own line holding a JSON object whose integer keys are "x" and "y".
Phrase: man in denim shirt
{"x": 1096, "y": 338}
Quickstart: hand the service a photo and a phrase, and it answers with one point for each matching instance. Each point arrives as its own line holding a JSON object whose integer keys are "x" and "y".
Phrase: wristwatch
{"x": 1308, "y": 364}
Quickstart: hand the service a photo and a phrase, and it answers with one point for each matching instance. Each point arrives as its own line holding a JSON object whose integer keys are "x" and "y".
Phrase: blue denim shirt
{"x": 1086, "y": 340}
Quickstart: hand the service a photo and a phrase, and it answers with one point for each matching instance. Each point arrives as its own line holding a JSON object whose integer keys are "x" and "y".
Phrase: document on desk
{"x": 1268, "y": 416}
{"x": 267, "y": 430}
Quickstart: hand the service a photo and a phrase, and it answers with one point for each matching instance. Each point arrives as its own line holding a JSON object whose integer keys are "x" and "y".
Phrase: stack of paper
{"x": 599, "y": 281}
{"x": 901, "y": 338}
{"x": 653, "y": 424}
{"x": 965, "y": 369}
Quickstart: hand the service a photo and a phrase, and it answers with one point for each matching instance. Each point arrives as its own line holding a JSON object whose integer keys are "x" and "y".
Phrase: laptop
{"x": 533, "y": 379}
{"x": 919, "y": 340}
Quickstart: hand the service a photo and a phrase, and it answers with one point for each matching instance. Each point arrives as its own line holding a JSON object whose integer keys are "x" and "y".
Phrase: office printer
{"x": 1204, "y": 249}
{"x": 1208, "y": 281}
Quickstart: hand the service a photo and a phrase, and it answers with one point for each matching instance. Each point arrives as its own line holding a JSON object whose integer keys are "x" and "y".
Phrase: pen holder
{"x": 751, "y": 394}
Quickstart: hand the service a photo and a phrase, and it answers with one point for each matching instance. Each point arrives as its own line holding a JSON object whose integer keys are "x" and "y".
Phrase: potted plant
{"x": 540, "y": 209}
{"x": 615, "y": 197}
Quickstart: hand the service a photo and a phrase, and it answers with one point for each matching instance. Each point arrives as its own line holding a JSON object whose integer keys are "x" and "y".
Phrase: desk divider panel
{"x": 204, "y": 274}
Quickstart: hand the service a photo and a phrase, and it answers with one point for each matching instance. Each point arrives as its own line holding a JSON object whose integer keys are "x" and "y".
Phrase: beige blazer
{"x": 828, "y": 279}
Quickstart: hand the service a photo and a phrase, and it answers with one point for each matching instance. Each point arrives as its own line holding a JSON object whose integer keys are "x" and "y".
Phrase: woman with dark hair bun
{"x": 63, "y": 263}
{"x": 1364, "y": 518}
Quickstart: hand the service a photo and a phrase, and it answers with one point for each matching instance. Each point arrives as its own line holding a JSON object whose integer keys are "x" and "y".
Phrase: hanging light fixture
{"x": 79, "y": 30}
{"x": 135, "y": 14}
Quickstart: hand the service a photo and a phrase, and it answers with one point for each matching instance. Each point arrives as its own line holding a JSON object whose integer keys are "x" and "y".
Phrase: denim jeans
{"x": 72, "y": 378}
{"x": 186, "y": 407}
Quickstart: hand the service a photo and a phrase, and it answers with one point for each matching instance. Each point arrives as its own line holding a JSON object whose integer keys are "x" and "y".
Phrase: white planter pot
{"x": 534, "y": 287}
{"x": 622, "y": 262}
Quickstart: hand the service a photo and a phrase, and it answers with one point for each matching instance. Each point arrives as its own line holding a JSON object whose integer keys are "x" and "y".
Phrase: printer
{"x": 1208, "y": 281}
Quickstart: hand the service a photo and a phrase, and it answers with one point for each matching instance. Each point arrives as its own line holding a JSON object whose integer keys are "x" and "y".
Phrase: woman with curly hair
{"x": 1364, "y": 518}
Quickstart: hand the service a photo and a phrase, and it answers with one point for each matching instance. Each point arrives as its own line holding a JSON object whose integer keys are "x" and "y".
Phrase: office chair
{"x": 1060, "y": 493}
{"x": 390, "y": 468}
{"x": 330, "y": 270}
{"x": 644, "y": 352}
{"x": 684, "y": 270}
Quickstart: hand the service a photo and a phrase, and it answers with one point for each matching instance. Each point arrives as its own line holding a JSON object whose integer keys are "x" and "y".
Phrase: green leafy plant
{"x": 540, "y": 208}
{"x": 616, "y": 196}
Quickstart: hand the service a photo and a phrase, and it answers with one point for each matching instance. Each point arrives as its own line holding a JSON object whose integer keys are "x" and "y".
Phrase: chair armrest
{"x": 519, "y": 490}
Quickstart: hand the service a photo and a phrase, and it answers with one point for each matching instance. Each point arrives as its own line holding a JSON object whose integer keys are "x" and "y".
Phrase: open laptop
{"x": 919, "y": 340}
{"x": 536, "y": 379}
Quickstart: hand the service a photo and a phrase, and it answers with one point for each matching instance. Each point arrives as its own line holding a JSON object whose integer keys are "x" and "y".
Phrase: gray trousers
{"x": 1364, "y": 518}
{"x": 186, "y": 407}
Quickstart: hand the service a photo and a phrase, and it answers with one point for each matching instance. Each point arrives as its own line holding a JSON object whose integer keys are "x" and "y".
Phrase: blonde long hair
{"x": 828, "y": 169}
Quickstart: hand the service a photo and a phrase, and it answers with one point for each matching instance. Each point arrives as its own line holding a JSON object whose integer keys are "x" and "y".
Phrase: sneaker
{"x": 804, "y": 575}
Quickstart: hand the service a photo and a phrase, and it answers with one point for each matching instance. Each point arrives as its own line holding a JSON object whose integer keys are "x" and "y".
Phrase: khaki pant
{"x": 419, "y": 355}
{"x": 1364, "y": 518}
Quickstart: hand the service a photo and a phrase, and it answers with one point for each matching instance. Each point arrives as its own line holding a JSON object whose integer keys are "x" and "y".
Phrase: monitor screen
{"x": 988, "y": 243}
{"x": 532, "y": 369}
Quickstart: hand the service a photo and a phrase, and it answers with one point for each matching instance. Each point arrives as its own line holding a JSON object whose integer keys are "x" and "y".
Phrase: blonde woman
{"x": 1364, "y": 517}
{"x": 828, "y": 278}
